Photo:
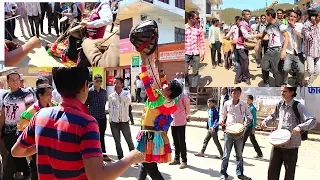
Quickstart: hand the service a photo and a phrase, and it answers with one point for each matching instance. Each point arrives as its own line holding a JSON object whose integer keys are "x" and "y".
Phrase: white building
{"x": 169, "y": 14}
{"x": 208, "y": 9}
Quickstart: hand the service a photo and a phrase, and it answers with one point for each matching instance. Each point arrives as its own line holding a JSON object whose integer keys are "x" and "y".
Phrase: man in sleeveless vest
{"x": 245, "y": 33}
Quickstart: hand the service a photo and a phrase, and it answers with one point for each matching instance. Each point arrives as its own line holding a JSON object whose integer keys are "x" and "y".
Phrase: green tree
{"x": 227, "y": 15}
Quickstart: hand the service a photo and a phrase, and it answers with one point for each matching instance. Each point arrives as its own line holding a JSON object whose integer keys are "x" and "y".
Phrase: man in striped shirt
{"x": 66, "y": 138}
{"x": 195, "y": 47}
{"x": 311, "y": 32}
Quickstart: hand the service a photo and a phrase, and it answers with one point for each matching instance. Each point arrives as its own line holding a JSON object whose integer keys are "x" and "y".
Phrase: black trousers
{"x": 243, "y": 73}
{"x": 248, "y": 133}
{"x": 73, "y": 48}
{"x": 55, "y": 23}
{"x": 14, "y": 164}
{"x": 280, "y": 156}
{"x": 102, "y": 129}
{"x": 8, "y": 30}
{"x": 123, "y": 127}
{"x": 151, "y": 169}
{"x": 138, "y": 93}
{"x": 179, "y": 140}
{"x": 33, "y": 167}
{"x": 216, "y": 48}
{"x": 34, "y": 24}
{"x": 130, "y": 114}
{"x": 44, "y": 10}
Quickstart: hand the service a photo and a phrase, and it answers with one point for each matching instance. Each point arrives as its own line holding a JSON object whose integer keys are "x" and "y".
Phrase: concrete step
{"x": 137, "y": 114}
{"x": 137, "y": 106}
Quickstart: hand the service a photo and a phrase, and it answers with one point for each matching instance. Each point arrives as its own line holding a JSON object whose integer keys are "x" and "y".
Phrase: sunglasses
{"x": 197, "y": 19}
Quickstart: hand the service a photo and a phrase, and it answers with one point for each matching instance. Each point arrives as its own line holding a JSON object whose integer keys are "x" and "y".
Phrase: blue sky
{"x": 250, "y": 4}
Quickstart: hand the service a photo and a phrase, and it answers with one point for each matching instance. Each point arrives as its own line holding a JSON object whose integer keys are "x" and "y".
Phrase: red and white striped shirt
{"x": 194, "y": 40}
{"x": 311, "y": 39}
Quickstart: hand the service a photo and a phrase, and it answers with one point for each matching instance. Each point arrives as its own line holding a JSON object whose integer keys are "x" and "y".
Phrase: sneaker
{"x": 243, "y": 177}
{"x": 258, "y": 157}
{"x": 174, "y": 162}
{"x": 266, "y": 85}
{"x": 223, "y": 177}
{"x": 199, "y": 154}
{"x": 183, "y": 165}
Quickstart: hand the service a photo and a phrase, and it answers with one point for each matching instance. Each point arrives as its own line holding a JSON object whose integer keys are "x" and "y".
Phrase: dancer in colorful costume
{"x": 152, "y": 139}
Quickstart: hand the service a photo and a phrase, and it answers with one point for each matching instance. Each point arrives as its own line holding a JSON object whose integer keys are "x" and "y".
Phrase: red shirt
{"x": 64, "y": 136}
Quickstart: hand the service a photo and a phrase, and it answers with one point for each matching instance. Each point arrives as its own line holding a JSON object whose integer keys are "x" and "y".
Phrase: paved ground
{"x": 221, "y": 77}
{"x": 39, "y": 57}
{"x": 209, "y": 167}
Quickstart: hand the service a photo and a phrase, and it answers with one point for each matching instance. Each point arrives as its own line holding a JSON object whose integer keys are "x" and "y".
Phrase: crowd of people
{"x": 284, "y": 42}
{"x": 80, "y": 29}
{"x": 21, "y": 106}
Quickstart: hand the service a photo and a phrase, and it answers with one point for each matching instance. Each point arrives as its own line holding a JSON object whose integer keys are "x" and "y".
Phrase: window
{"x": 164, "y": 1}
{"x": 179, "y": 35}
{"x": 125, "y": 29}
{"x": 208, "y": 8}
{"x": 180, "y": 4}
{"x": 149, "y": 1}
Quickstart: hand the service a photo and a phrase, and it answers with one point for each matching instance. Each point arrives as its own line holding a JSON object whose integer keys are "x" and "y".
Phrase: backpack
{"x": 304, "y": 134}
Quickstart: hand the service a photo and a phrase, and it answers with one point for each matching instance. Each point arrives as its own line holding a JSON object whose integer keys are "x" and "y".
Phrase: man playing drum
{"x": 288, "y": 120}
{"x": 232, "y": 118}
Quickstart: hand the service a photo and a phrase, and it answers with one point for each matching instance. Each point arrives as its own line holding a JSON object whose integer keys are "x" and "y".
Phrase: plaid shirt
{"x": 311, "y": 39}
{"x": 96, "y": 102}
{"x": 194, "y": 39}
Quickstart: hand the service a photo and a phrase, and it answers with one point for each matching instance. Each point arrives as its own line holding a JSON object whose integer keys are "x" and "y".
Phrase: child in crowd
{"x": 227, "y": 51}
{"x": 213, "y": 127}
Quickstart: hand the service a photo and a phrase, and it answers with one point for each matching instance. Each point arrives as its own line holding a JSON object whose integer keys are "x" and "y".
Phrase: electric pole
{"x": 266, "y": 3}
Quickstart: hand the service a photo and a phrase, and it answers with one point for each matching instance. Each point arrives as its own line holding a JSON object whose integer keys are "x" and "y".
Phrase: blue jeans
{"x": 238, "y": 145}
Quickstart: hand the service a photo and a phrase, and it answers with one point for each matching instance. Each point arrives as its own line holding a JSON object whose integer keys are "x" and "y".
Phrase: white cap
{"x": 21, "y": 77}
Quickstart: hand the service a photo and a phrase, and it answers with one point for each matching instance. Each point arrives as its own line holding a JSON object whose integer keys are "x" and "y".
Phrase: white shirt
{"x": 295, "y": 42}
{"x": 33, "y": 8}
{"x": 105, "y": 15}
{"x": 139, "y": 83}
{"x": 126, "y": 83}
{"x": 235, "y": 113}
{"x": 56, "y": 96}
{"x": 119, "y": 106}
{"x": 2, "y": 91}
{"x": 222, "y": 96}
{"x": 115, "y": 10}
{"x": 254, "y": 27}
{"x": 52, "y": 6}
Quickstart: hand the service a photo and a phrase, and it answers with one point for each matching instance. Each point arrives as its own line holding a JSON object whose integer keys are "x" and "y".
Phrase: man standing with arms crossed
{"x": 195, "y": 47}
{"x": 233, "y": 111}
